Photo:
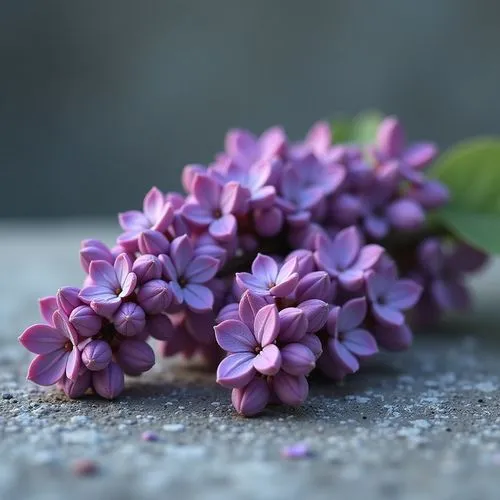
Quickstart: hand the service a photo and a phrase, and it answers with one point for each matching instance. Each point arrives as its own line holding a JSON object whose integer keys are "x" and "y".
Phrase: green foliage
{"x": 360, "y": 129}
{"x": 471, "y": 170}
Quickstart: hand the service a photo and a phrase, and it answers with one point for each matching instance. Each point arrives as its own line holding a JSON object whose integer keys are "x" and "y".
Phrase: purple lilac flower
{"x": 113, "y": 283}
{"x": 157, "y": 215}
{"x": 348, "y": 341}
{"x": 390, "y": 296}
{"x": 188, "y": 275}
{"x": 254, "y": 178}
{"x": 345, "y": 259}
{"x": 318, "y": 141}
{"x": 246, "y": 149}
{"x": 268, "y": 278}
{"x": 215, "y": 206}
{"x": 442, "y": 274}
{"x": 391, "y": 145}
{"x": 56, "y": 350}
{"x": 270, "y": 346}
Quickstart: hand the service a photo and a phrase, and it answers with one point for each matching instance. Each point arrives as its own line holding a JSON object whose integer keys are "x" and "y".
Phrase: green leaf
{"x": 471, "y": 170}
{"x": 360, "y": 129}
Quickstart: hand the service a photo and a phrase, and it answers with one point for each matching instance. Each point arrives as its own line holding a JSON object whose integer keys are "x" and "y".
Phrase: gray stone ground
{"x": 424, "y": 424}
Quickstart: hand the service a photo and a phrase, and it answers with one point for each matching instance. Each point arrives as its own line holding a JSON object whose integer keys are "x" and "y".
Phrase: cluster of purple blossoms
{"x": 279, "y": 259}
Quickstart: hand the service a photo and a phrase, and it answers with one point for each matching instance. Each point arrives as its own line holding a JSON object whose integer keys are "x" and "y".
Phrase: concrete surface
{"x": 420, "y": 425}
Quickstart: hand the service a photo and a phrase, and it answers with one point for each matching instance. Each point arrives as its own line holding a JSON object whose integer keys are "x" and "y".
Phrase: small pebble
{"x": 85, "y": 467}
{"x": 295, "y": 451}
{"x": 150, "y": 436}
{"x": 7, "y": 395}
{"x": 173, "y": 427}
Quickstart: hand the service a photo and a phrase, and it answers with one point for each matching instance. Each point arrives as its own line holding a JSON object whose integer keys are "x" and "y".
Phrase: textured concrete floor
{"x": 420, "y": 425}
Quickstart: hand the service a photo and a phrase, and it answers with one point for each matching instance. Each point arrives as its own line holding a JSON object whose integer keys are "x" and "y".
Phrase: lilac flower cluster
{"x": 278, "y": 260}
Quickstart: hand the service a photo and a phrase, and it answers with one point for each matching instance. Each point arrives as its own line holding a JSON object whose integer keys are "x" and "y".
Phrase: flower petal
{"x": 351, "y": 279}
{"x": 224, "y": 228}
{"x": 48, "y": 306}
{"x": 394, "y": 339}
{"x": 196, "y": 215}
{"x": 201, "y": 269}
{"x": 234, "y": 336}
{"x": 198, "y": 297}
{"x": 207, "y": 191}
{"x": 368, "y": 256}
{"x": 181, "y": 253}
{"x": 391, "y": 138}
{"x": 268, "y": 361}
{"x": 103, "y": 274}
{"x": 404, "y": 294}
{"x": 47, "y": 369}
{"x": 351, "y": 314}
{"x": 341, "y": 356}
{"x": 153, "y": 204}
{"x": 266, "y": 325}
{"x": 345, "y": 247}
{"x": 234, "y": 198}
{"x": 128, "y": 285}
{"x": 42, "y": 339}
{"x": 360, "y": 342}
{"x": 387, "y": 315}
{"x": 133, "y": 219}
{"x": 236, "y": 370}
{"x": 290, "y": 389}
{"x": 73, "y": 364}
{"x": 265, "y": 269}
{"x": 252, "y": 283}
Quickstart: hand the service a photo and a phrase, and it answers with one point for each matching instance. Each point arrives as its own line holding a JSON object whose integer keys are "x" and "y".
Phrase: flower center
{"x": 68, "y": 346}
{"x": 182, "y": 281}
{"x": 217, "y": 213}
{"x": 118, "y": 291}
{"x": 258, "y": 349}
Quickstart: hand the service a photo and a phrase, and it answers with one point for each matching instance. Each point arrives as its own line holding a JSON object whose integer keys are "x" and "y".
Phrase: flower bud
{"x": 268, "y": 222}
{"x": 228, "y": 312}
{"x": 79, "y": 387}
{"x": 305, "y": 261}
{"x": 406, "y": 215}
{"x": 316, "y": 312}
{"x": 315, "y": 285}
{"x": 251, "y": 399}
{"x": 68, "y": 299}
{"x": 153, "y": 242}
{"x": 293, "y": 324}
{"x": 135, "y": 357}
{"x": 130, "y": 319}
{"x": 85, "y": 321}
{"x": 155, "y": 296}
{"x": 147, "y": 268}
{"x": 109, "y": 383}
{"x": 96, "y": 355}
{"x": 159, "y": 327}
{"x": 297, "y": 359}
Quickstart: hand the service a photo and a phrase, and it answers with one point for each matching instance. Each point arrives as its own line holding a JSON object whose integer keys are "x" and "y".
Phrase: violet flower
{"x": 348, "y": 340}
{"x": 188, "y": 274}
{"x": 215, "y": 206}
{"x": 391, "y": 145}
{"x": 389, "y": 296}
{"x": 56, "y": 350}
{"x": 113, "y": 283}
{"x": 157, "y": 215}
{"x": 268, "y": 278}
{"x": 345, "y": 259}
{"x": 246, "y": 149}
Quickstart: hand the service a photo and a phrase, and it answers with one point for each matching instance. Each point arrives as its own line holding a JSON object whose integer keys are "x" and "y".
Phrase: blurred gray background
{"x": 99, "y": 100}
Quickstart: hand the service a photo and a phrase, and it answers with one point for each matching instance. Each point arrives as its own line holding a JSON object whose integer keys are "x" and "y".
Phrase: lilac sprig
{"x": 285, "y": 247}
